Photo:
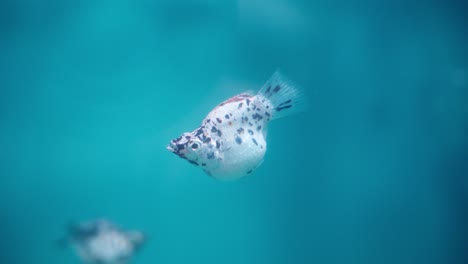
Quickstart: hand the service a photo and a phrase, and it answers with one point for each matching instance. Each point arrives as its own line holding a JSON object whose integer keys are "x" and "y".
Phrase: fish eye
{"x": 194, "y": 146}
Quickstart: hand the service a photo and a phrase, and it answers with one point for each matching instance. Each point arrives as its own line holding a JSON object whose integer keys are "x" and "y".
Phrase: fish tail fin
{"x": 284, "y": 97}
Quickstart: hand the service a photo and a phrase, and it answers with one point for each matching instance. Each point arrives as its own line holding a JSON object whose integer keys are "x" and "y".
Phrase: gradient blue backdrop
{"x": 375, "y": 172}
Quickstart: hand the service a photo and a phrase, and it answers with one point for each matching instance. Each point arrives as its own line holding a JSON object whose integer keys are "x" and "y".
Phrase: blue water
{"x": 374, "y": 172}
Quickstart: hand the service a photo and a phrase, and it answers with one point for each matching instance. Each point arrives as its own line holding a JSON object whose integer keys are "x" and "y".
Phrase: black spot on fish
{"x": 199, "y": 132}
{"x": 219, "y": 120}
{"x": 248, "y": 102}
{"x": 254, "y": 107}
{"x": 213, "y": 130}
{"x": 239, "y": 106}
{"x": 230, "y": 114}
{"x": 259, "y": 128}
{"x": 250, "y": 124}
{"x": 207, "y": 140}
{"x": 193, "y": 162}
{"x": 277, "y": 88}
{"x": 250, "y": 171}
{"x": 226, "y": 116}
{"x": 240, "y": 130}
{"x": 187, "y": 137}
{"x": 257, "y": 116}
{"x": 268, "y": 89}
{"x": 283, "y": 107}
{"x": 285, "y": 102}
{"x": 203, "y": 164}
{"x": 254, "y": 141}
{"x": 180, "y": 146}
{"x": 250, "y": 132}
{"x": 238, "y": 140}
{"x": 219, "y": 133}
{"x": 267, "y": 114}
{"x": 218, "y": 144}
{"x": 210, "y": 155}
{"x": 267, "y": 106}
{"x": 248, "y": 108}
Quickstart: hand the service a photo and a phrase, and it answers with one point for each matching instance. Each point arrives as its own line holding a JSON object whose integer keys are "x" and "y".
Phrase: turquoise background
{"x": 374, "y": 172}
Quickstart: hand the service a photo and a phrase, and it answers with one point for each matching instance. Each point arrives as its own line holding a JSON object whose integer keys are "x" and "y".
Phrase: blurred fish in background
{"x": 102, "y": 242}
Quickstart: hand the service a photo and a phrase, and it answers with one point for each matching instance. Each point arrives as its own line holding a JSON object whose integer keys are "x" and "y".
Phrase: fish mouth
{"x": 172, "y": 147}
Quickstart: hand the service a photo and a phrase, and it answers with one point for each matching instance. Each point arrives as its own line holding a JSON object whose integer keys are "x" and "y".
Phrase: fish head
{"x": 189, "y": 146}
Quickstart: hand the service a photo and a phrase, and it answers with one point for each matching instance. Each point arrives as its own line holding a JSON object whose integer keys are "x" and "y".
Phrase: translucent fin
{"x": 284, "y": 97}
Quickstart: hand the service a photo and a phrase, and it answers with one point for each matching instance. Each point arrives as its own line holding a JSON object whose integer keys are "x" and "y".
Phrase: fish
{"x": 231, "y": 141}
{"x": 101, "y": 241}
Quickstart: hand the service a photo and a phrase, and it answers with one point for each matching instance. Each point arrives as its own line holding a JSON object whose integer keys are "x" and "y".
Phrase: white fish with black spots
{"x": 231, "y": 141}
{"x": 100, "y": 241}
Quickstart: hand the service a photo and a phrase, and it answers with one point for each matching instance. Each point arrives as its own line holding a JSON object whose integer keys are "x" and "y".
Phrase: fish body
{"x": 231, "y": 141}
{"x": 100, "y": 241}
